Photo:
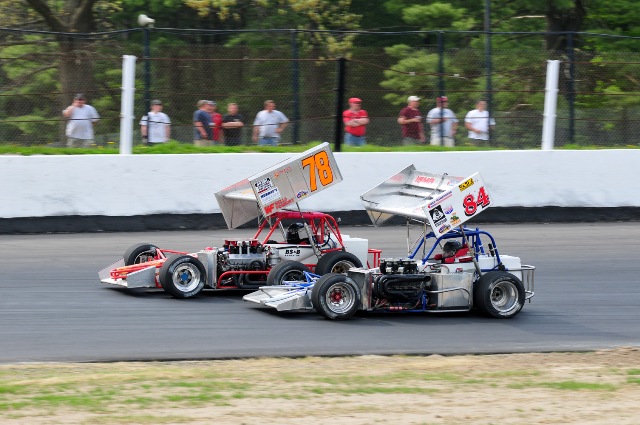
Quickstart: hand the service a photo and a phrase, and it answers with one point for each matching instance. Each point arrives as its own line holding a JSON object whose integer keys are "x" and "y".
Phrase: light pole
{"x": 146, "y": 22}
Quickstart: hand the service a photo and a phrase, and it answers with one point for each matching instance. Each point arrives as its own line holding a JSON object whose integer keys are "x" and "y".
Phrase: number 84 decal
{"x": 471, "y": 203}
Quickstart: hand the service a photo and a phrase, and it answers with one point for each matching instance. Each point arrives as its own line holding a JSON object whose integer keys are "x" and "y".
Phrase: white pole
{"x": 550, "y": 105}
{"x": 126, "y": 108}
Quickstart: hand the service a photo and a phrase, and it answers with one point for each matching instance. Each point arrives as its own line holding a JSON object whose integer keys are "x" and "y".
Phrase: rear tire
{"x": 182, "y": 276}
{"x": 336, "y": 296}
{"x": 337, "y": 262}
{"x": 499, "y": 294}
{"x": 287, "y": 270}
{"x": 140, "y": 253}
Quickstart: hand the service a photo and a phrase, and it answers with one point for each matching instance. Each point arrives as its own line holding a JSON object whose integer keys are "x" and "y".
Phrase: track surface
{"x": 53, "y": 307}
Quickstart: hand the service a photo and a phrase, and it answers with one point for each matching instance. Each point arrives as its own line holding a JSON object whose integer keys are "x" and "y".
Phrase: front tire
{"x": 499, "y": 294}
{"x": 182, "y": 276}
{"x": 336, "y": 296}
{"x": 140, "y": 253}
{"x": 287, "y": 270}
{"x": 337, "y": 262}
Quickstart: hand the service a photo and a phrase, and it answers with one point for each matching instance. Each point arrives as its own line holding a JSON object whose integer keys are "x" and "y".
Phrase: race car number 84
{"x": 318, "y": 165}
{"x": 471, "y": 204}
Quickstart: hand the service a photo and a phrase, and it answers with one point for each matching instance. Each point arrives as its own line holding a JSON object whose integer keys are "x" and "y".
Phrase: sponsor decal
{"x": 302, "y": 194}
{"x": 277, "y": 173}
{"x": 440, "y": 199}
{"x": 263, "y": 185}
{"x": 279, "y": 204}
{"x": 448, "y": 209}
{"x": 465, "y": 184}
{"x": 444, "y": 228}
{"x": 437, "y": 216}
{"x": 269, "y": 196}
{"x": 424, "y": 180}
{"x": 292, "y": 252}
{"x": 455, "y": 220}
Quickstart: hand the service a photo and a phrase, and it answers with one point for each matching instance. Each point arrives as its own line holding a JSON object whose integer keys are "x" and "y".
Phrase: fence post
{"x": 571, "y": 88}
{"x": 147, "y": 70}
{"x": 295, "y": 76}
{"x": 487, "y": 64}
{"x": 340, "y": 90}
{"x": 441, "y": 87}
{"x": 550, "y": 105}
{"x": 126, "y": 107}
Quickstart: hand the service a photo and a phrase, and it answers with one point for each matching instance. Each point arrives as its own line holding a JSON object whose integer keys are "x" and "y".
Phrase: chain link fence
{"x": 40, "y": 72}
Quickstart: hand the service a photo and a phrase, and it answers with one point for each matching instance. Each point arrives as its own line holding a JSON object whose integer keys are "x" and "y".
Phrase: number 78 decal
{"x": 318, "y": 165}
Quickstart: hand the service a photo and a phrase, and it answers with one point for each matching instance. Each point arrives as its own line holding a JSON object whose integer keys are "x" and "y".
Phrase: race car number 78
{"x": 318, "y": 164}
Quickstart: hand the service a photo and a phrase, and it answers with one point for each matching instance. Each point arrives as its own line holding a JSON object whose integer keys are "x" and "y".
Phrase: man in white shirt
{"x": 269, "y": 124}
{"x": 478, "y": 122}
{"x": 82, "y": 118}
{"x": 443, "y": 122}
{"x": 156, "y": 125}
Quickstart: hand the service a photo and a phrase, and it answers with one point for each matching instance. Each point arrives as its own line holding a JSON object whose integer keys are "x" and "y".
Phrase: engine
{"x": 244, "y": 255}
{"x": 399, "y": 286}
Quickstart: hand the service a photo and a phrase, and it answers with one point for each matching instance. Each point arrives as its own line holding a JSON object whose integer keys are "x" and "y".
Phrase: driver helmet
{"x": 296, "y": 233}
{"x": 450, "y": 248}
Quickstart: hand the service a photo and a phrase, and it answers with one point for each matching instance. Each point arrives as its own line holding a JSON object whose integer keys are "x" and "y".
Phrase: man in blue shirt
{"x": 202, "y": 131}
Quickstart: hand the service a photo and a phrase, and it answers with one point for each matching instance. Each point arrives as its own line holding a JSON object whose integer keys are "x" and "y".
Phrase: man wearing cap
{"x": 82, "y": 118}
{"x": 202, "y": 130}
{"x": 156, "y": 125}
{"x": 269, "y": 124}
{"x": 443, "y": 122}
{"x": 410, "y": 120}
{"x": 355, "y": 123}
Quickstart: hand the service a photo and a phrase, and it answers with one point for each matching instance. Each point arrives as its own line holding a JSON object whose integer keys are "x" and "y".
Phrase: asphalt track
{"x": 53, "y": 307}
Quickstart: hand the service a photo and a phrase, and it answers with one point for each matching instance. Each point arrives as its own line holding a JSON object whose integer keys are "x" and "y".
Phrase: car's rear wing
{"x": 440, "y": 200}
{"x": 279, "y": 187}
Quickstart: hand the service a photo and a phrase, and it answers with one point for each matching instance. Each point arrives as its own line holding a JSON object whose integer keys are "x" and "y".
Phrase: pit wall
{"x": 159, "y": 185}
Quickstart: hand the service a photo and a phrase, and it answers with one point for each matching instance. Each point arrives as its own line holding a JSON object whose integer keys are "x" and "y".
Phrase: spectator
{"x": 411, "y": 121}
{"x": 202, "y": 131}
{"x": 156, "y": 125}
{"x": 82, "y": 119}
{"x": 355, "y": 123}
{"x": 216, "y": 122}
{"x": 443, "y": 122}
{"x": 478, "y": 122}
{"x": 232, "y": 123}
{"x": 269, "y": 125}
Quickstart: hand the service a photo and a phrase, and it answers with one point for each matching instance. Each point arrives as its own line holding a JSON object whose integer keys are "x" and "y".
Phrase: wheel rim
{"x": 340, "y": 298}
{"x": 293, "y": 275}
{"x": 342, "y": 267}
{"x": 144, "y": 257}
{"x": 186, "y": 277}
{"x": 504, "y": 296}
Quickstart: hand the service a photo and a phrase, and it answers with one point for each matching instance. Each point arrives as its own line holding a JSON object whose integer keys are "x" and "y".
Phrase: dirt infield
{"x": 600, "y": 387}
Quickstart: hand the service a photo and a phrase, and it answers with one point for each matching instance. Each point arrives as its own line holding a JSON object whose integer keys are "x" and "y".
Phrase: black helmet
{"x": 294, "y": 233}
{"x": 450, "y": 248}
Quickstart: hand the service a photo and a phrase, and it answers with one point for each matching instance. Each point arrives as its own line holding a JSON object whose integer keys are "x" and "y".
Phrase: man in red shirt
{"x": 355, "y": 123}
{"x": 411, "y": 121}
{"x": 216, "y": 122}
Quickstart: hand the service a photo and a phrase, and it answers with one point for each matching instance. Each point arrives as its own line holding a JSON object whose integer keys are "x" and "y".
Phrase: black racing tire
{"x": 287, "y": 270}
{"x": 182, "y": 276}
{"x": 336, "y": 296}
{"x": 499, "y": 294}
{"x": 139, "y": 253}
{"x": 337, "y": 262}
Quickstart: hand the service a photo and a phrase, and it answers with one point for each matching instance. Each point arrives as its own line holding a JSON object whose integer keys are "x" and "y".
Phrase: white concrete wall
{"x": 118, "y": 185}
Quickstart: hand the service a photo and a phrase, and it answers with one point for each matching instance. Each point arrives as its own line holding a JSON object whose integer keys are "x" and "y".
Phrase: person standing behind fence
{"x": 82, "y": 118}
{"x": 216, "y": 122}
{"x": 232, "y": 123}
{"x": 478, "y": 123}
{"x": 202, "y": 131}
{"x": 443, "y": 122}
{"x": 269, "y": 125}
{"x": 156, "y": 125}
{"x": 410, "y": 120}
{"x": 355, "y": 121}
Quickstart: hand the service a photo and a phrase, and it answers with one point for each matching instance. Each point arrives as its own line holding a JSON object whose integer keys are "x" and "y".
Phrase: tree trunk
{"x": 561, "y": 20}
